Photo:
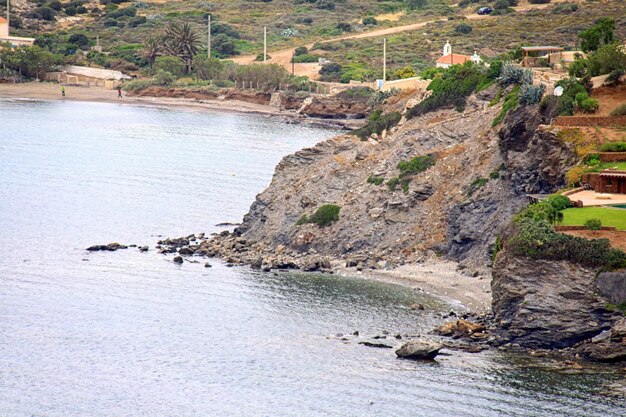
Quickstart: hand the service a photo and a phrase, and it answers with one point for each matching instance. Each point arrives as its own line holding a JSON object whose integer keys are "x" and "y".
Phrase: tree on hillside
{"x": 170, "y": 64}
{"x": 152, "y": 48}
{"x": 599, "y": 34}
{"x": 207, "y": 68}
{"x": 182, "y": 41}
{"x": 30, "y": 61}
{"x": 415, "y": 4}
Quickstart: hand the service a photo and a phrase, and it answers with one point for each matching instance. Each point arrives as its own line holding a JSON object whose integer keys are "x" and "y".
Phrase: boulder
{"x": 178, "y": 259}
{"x": 419, "y": 349}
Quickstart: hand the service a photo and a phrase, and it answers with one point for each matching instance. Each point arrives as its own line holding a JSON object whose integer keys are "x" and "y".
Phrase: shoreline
{"x": 436, "y": 278}
{"x": 51, "y": 92}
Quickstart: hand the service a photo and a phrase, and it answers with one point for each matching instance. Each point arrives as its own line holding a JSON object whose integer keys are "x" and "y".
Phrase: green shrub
{"x": 370, "y": 21}
{"x": 559, "y": 202}
{"x": 305, "y": 58}
{"x": 613, "y": 147}
{"x": 593, "y": 224}
{"x": 325, "y": 215}
{"x": 376, "y": 180}
{"x": 510, "y": 102}
{"x": 542, "y": 211}
{"x": 476, "y": 184}
{"x": 137, "y": 85}
{"x": 451, "y": 89}
{"x": 580, "y": 97}
{"x": 589, "y": 105}
{"x": 381, "y": 123}
{"x": 495, "y": 174}
{"x": 164, "y": 77}
{"x": 592, "y": 159}
{"x": 304, "y": 219}
{"x": 463, "y": 28}
{"x": 619, "y": 110}
{"x": 171, "y": 64}
{"x": 415, "y": 165}
{"x": 392, "y": 184}
{"x": 261, "y": 57}
{"x": 538, "y": 240}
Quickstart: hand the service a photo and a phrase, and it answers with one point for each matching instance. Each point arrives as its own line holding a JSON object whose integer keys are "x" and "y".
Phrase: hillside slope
{"x": 455, "y": 208}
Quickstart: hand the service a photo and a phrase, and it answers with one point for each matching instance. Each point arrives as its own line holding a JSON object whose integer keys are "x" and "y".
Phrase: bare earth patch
{"x": 617, "y": 237}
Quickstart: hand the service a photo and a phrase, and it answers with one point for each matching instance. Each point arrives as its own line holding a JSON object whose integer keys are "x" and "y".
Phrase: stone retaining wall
{"x": 580, "y": 121}
{"x": 612, "y": 156}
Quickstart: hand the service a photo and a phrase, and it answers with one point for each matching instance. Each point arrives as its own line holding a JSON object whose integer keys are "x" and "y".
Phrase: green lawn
{"x": 611, "y": 217}
{"x": 610, "y": 165}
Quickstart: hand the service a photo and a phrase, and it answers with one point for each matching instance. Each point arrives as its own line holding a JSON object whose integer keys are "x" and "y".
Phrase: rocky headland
{"x": 386, "y": 219}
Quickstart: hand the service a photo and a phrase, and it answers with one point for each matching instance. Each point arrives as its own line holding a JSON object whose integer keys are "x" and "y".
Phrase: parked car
{"x": 485, "y": 10}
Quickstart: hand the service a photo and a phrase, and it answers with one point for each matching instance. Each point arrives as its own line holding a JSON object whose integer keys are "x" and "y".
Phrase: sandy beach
{"x": 52, "y": 91}
{"x": 438, "y": 278}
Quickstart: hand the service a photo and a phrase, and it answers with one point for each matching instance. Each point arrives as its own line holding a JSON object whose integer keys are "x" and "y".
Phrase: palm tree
{"x": 152, "y": 47}
{"x": 181, "y": 40}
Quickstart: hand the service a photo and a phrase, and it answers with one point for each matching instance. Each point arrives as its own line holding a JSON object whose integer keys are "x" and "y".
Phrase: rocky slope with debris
{"x": 455, "y": 208}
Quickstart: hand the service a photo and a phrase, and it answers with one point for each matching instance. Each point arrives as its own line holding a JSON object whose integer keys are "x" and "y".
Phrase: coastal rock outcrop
{"x": 456, "y": 207}
{"x": 546, "y": 304}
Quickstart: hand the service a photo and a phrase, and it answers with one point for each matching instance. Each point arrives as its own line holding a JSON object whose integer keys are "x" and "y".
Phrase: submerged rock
{"x": 419, "y": 349}
{"x": 376, "y": 345}
{"x": 111, "y": 247}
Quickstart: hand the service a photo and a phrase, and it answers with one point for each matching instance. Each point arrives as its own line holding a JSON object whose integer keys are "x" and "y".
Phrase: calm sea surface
{"x": 132, "y": 334}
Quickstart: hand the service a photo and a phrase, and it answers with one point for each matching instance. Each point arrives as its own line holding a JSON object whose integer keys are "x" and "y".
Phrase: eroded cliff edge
{"x": 455, "y": 209}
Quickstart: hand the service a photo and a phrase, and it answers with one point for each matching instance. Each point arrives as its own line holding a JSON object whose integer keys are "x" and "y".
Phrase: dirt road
{"x": 283, "y": 57}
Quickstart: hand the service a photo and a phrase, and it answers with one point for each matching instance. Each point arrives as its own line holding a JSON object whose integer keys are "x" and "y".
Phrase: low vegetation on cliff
{"x": 323, "y": 216}
{"x": 534, "y": 237}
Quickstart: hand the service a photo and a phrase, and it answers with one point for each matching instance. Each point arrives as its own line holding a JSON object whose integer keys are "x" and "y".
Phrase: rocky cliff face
{"x": 455, "y": 208}
{"x": 546, "y": 304}
{"x": 539, "y": 304}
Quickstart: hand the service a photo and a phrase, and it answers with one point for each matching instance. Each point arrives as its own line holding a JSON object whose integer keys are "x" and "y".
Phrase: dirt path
{"x": 283, "y": 57}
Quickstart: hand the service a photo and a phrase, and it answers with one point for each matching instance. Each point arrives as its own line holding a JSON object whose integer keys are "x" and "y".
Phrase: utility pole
{"x": 384, "y": 60}
{"x": 293, "y": 62}
{"x": 209, "y": 38}
{"x": 264, "y": 44}
{"x": 8, "y": 19}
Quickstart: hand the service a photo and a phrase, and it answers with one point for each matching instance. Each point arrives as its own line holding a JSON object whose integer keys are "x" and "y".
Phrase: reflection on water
{"x": 132, "y": 334}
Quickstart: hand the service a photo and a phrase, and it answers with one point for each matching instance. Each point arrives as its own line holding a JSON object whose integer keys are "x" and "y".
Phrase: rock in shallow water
{"x": 419, "y": 349}
{"x": 111, "y": 247}
{"x": 178, "y": 259}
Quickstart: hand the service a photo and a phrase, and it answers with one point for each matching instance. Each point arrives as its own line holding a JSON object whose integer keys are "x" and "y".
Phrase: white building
{"x": 448, "y": 58}
{"x": 13, "y": 40}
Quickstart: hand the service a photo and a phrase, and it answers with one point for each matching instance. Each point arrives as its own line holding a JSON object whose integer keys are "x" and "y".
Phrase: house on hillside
{"x": 448, "y": 58}
{"x": 548, "y": 56}
{"x": 13, "y": 40}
